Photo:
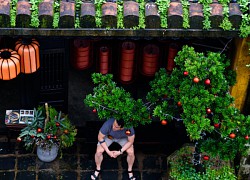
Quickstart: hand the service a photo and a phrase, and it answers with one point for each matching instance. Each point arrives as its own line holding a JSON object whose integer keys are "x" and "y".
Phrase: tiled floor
{"x": 77, "y": 163}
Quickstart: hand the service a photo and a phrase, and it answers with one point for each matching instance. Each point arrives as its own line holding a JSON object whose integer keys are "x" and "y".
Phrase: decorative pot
{"x": 150, "y": 60}
{"x": 47, "y": 154}
{"x": 127, "y": 61}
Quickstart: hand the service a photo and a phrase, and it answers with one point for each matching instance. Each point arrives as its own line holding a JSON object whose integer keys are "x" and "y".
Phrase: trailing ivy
{"x": 245, "y": 22}
{"x": 34, "y": 13}
{"x": 56, "y": 13}
{"x": 13, "y": 13}
{"x": 185, "y": 7}
{"x": 226, "y": 24}
{"x": 78, "y": 4}
{"x": 206, "y": 13}
{"x": 98, "y": 12}
{"x": 120, "y": 15}
{"x": 163, "y": 6}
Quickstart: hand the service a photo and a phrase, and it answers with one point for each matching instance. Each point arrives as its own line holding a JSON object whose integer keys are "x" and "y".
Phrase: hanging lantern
{"x": 28, "y": 49}
{"x": 9, "y": 64}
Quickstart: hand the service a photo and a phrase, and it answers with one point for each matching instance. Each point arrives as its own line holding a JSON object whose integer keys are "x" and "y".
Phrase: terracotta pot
{"x": 28, "y": 49}
{"x": 150, "y": 60}
{"x": 172, "y": 52}
{"x": 127, "y": 61}
{"x": 104, "y": 60}
{"x": 81, "y": 57}
{"x": 9, "y": 64}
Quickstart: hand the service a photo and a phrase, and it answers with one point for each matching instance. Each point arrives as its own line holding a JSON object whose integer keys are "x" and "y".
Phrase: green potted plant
{"x": 50, "y": 131}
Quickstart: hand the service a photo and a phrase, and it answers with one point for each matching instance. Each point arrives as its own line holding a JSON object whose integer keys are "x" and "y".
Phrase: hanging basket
{"x": 127, "y": 62}
{"x": 28, "y": 49}
{"x": 81, "y": 54}
{"x": 9, "y": 64}
{"x": 104, "y": 59}
{"x": 150, "y": 62}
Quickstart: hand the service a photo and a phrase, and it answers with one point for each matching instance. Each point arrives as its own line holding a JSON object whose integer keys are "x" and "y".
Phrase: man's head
{"x": 120, "y": 123}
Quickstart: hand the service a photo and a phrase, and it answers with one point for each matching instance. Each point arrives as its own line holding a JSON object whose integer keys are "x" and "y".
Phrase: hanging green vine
{"x": 185, "y": 7}
{"x": 141, "y": 14}
{"x": 163, "y": 6}
{"x": 78, "y": 4}
{"x": 206, "y": 13}
{"x": 226, "y": 24}
{"x": 56, "y": 13}
{"x": 245, "y": 22}
{"x": 34, "y": 13}
{"x": 13, "y": 13}
{"x": 98, "y": 12}
{"x": 120, "y": 15}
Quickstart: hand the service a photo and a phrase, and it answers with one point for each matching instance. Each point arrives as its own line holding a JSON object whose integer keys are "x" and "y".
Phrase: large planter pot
{"x": 47, "y": 155}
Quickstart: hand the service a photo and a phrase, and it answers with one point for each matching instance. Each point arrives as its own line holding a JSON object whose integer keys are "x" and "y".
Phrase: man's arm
{"x": 130, "y": 142}
{"x": 101, "y": 138}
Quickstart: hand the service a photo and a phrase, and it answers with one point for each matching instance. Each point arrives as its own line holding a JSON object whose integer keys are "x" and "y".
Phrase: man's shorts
{"x": 109, "y": 141}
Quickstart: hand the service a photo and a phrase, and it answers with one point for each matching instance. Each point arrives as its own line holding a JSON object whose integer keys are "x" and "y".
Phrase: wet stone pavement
{"x": 77, "y": 163}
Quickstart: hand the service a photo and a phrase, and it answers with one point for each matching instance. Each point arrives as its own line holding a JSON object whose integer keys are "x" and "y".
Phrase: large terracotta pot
{"x": 28, "y": 49}
{"x": 81, "y": 54}
{"x": 127, "y": 61}
{"x": 47, "y": 154}
{"x": 150, "y": 60}
{"x": 9, "y": 64}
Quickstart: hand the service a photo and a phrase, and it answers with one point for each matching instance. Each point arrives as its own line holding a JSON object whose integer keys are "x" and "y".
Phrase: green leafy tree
{"x": 195, "y": 93}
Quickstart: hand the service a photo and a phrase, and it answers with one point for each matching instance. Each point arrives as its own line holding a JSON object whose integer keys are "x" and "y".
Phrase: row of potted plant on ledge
{"x": 161, "y": 8}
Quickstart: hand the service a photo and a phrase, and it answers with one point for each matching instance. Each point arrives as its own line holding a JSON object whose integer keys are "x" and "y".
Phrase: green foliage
{"x": 78, "y": 4}
{"x": 141, "y": 14}
{"x": 185, "y": 9}
{"x": 245, "y": 22}
{"x": 178, "y": 97}
{"x": 226, "y": 24}
{"x": 206, "y": 13}
{"x": 57, "y": 130}
{"x": 163, "y": 6}
{"x": 182, "y": 168}
{"x": 195, "y": 98}
{"x": 34, "y": 13}
{"x": 98, "y": 12}
{"x": 120, "y": 15}
{"x": 56, "y": 15}
{"x": 13, "y": 13}
{"x": 112, "y": 101}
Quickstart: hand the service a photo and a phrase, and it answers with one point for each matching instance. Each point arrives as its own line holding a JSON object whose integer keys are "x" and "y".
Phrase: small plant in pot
{"x": 51, "y": 131}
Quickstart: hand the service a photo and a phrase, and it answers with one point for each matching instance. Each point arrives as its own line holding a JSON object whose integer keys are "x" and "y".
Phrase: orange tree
{"x": 196, "y": 93}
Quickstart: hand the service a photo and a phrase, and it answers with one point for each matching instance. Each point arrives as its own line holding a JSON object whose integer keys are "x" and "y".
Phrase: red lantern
{"x": 9, "y": 64}
{"x": 28, "y": 49}
{"x": 172, "y": 52}
{"x": 104, "y": 60}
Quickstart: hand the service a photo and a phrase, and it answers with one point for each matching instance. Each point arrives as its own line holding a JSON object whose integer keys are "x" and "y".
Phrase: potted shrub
{"x": 50, "y": 131}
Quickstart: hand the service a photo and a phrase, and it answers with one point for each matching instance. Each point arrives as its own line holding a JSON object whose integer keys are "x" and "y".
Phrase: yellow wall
{"x": 241, "y": 59}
